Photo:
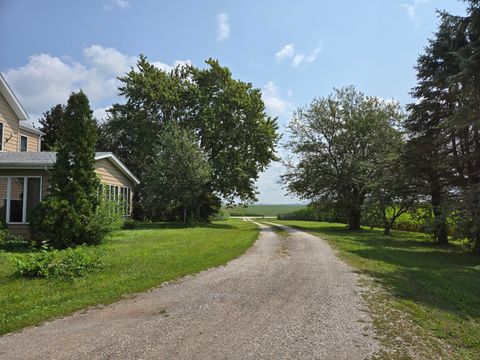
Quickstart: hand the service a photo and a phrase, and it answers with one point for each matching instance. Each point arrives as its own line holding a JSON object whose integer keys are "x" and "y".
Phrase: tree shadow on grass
{"x": 414, "y": 268}
{"x": 17, "y": 246}
{"x": 176, "y": 225}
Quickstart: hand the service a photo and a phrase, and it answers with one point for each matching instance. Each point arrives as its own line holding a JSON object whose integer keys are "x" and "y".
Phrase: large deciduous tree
{"x": 336, "y": 143}
{"x": 227, "y": 115}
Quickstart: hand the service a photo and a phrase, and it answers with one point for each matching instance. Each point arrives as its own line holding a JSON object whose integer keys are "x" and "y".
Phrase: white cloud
{"x": 122, "y": 4}
{"x": 46, "y": 80}
{"x": 108, "y": 60}
{"x": 287, "y": 51}
{"x": 411, "y": 9}
{"x": 275, "y": 105}
{"x": 101, "y": 113}
{"x": 168, "y": 67}
{"x": 223, "y": 30}
{"x": 298, "y": 58}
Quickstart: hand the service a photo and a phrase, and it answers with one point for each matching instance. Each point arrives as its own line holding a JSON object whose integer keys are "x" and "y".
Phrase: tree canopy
{"x": 337, "y": 142}
{"x": 177, "y": 173}
{"x": 227, "y": 115}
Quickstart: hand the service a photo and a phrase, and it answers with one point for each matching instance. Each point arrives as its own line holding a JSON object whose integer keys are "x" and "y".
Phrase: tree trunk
{"x": 386, "y": 230}
{"x": 185, "y": 215}
{"x": 440, "y": 230}
{"x": 476, "y": 244}
{"x": 354, "y": 219}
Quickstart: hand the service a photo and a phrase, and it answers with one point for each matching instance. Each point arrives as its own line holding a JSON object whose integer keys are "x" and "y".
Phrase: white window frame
{"x": 24, "y": 203}
{"x": 26, "y": 143}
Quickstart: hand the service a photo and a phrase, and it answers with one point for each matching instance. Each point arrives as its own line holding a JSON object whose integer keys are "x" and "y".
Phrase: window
{"x": 18, "y": 196}
{"x": 33, "y": 195}
{"x": 23, "y": 143}
{"x": 15, "y": 200}
{"x": 1, "y": 136}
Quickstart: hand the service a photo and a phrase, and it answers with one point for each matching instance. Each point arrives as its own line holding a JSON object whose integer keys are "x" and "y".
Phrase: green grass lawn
{"x": 439, "y": 288}
{"x": 135, "y": 260}
{"x": 263, "y": 210}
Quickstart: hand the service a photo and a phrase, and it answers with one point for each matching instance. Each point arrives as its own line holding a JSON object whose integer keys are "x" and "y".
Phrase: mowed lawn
{"x": 438, "y": 287}
{"x": 135, "y": 260}
{"x": 263, "y": 209}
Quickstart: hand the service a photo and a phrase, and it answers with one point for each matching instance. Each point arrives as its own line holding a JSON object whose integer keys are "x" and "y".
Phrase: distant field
{"x": 263, "y": 210}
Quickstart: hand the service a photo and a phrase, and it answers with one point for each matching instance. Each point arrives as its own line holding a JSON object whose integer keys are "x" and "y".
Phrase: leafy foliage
{"x": 339, "y": 141}
{"x": 177, "y": 173}
{"x": 68, "y": 263}
{"x": 227, "y": 115}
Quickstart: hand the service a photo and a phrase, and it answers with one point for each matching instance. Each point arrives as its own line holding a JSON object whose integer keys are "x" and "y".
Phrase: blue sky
{"x": 293, "y": 51}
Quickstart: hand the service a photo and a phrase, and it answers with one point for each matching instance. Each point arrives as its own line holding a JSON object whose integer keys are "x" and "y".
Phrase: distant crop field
{"x": 263, "y": 210}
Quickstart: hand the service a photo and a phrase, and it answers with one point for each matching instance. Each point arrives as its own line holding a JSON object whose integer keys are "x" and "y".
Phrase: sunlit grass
{"x": 438, "y": 287}
{"x": 135, "y": 260}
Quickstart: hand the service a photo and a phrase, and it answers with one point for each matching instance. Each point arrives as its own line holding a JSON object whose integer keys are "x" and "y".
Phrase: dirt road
{"x": 288, "y": 297}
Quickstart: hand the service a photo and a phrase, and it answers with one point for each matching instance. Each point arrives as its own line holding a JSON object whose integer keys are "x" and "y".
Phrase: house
{"x": 24, "y": 167}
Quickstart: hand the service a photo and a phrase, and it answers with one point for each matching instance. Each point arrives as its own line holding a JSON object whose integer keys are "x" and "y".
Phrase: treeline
{"x": 367, "y": 158}
{"x": 194, "y": 137}
{"x": 419, "y": 219}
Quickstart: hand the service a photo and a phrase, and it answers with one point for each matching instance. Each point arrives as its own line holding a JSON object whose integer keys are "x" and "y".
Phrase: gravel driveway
{"x": 288, "y": 297}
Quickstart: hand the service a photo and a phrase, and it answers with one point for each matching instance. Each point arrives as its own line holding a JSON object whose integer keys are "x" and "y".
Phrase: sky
{"x": 294, "y": 51}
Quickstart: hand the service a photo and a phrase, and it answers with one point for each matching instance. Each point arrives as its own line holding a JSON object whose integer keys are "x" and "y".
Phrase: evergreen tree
{"x": 464, "y": 126}
{"x": 65, "y": 217}
{"x": 429, "y": 146}
{"x": 52, "y": 126}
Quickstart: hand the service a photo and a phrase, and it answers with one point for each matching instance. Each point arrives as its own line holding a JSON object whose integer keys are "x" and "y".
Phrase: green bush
{"x": 68, "y": 263}
{"x": 219, "y": 216}
{"x": 311, "y": 213}
{"x": 130, "y": 223}
{"x": 107, "y": 219}
{"x": 56, "y": 223}
{"x": 4, "y": 233}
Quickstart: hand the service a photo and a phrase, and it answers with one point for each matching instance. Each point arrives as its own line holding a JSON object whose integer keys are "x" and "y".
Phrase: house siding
{"x": 22, "y": 229}
{"x": 32, "y": 142}
{"x": 106, "y": 171}
{"x": 110, "y": 175}
{"x": 10, "y": 126}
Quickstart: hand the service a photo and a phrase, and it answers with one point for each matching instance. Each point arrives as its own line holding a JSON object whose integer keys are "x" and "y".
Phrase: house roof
{"x": 45, "y": 159}
{"x": 12, "y": 100}
{"x": 31, "y": 129}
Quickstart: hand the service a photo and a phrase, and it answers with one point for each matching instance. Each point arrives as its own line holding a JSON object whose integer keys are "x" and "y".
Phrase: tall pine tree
{"x": 465, "y": 126}
{"x": 52, "y": 126}
{"x": 65, "y": 217}
{"x": 436, "y": 94}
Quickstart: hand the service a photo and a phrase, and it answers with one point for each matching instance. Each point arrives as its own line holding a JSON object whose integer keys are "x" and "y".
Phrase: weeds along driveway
{"x": 287, "y": 297}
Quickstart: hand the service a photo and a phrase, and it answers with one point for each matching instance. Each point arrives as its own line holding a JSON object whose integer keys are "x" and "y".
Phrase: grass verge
{"x": 428, "y": 304}
{"x": 135, "y": 260}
